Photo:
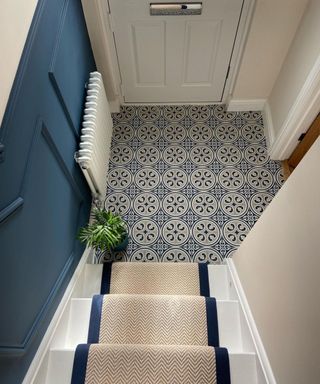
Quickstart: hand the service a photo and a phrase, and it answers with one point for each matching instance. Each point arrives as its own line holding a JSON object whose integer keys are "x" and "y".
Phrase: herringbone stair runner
{"x": 154, "y": 319}
{"x": 153, "y": 324}
{"x": 150, "y": 364}
{"x": 155, "y": 278}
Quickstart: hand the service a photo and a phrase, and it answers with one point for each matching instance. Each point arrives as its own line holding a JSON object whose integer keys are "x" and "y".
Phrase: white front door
{"x": 174, "y": 58}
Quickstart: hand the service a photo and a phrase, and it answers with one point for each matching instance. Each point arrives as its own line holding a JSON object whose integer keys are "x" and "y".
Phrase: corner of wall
{"x": 300, "y": 116}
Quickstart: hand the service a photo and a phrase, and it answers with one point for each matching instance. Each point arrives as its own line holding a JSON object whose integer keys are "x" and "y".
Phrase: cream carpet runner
{"x": 153, "y": 324}
{"x": 155, "y": 278}
{"x": 150, "y": 364}
{"x": 154, "y": 319}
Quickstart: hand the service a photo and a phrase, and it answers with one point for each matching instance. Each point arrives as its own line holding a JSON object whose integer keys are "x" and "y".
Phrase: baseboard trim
{"x": 261, "y": 353}
{"x": 178, "y": 103}
{"x": 246, "y": 105}
{"x": 268, "y": 125}
{"x": 45, "y": 343}
{"x": 115, "y": 105}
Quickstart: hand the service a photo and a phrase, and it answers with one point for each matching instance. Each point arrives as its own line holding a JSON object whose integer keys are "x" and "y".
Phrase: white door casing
{"x": 174, "y": 58}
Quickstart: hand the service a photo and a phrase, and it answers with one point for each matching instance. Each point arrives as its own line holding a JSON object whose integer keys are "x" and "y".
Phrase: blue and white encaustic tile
{"x": 190, "y": 181}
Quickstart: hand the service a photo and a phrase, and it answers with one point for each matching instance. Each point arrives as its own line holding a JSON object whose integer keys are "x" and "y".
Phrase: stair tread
{"x": 76, "y": 331}
{"x": 155, "y": 278}
{"x": 153, "y": 319}
{"x": 242, "y": 367}
{"x": 217, "y": 275}
{"x": 241, "y": 356}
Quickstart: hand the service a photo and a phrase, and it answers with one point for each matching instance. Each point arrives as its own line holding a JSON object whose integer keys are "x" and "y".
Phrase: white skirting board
{"x": 268, "y": 125}
{"x": 246, "y": 105}
{"x": 115, "y": 105}
{"x": 260, "y": 350}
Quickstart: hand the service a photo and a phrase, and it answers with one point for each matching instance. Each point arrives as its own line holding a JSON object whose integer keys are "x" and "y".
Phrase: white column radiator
{"x": 96, "y": 133}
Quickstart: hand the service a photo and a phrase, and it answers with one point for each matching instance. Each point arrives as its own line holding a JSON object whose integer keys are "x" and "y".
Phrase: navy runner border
{"x": 106, "y": 278}
{"x": 222, "y": 366}
{"x": 212, "y": 322}
{"x": 95, "y": 319}
{"x": 80, "y": 364}
{"x": 204, "y": 279}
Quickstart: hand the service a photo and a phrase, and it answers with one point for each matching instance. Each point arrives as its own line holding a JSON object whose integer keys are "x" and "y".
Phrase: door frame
{"x": 102, "y": 24}
{"x": 245, "y": 21}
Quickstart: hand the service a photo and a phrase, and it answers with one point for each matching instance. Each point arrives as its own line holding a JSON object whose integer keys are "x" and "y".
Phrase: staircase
{"x": 73, "y": 326}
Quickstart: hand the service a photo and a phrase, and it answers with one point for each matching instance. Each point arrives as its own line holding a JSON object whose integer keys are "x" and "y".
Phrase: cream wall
{"x": 15, "y": 21}
{"x": 302, "y": 56}
{"x": 279, "y": 265}
{"x": 273, "y": 27}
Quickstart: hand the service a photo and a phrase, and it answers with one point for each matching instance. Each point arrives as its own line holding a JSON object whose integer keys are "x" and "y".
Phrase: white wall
{"x": 279, "y": 265}
{"x": 15, "y": 21}
{"x": 273, "y": 27}
{"x": 301, "y": 57}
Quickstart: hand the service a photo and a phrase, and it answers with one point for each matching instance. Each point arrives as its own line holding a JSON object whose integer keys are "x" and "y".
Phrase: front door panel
{"x": 174, "y": 58}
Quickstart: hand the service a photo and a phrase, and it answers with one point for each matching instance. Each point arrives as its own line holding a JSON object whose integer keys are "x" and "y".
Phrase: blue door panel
{"x": 65, "y": 78}
{"x": 27, "y": 98}
{"x": 60, "y": 129}
{"x": 44, "y": 198}
{"x": 49, "y": 238}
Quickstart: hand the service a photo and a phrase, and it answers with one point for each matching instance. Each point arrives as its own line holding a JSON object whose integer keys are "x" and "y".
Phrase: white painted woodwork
{"x": 54, "y": 360}
{"x": 60, "y": 366}
{"x": 218, "y": 282}
{"x": 77, "y": 325}
{"x": 242, "y": 367}
{"x": 246, "y": 105}
{"x": 96, "y": 13}
{"x": 174, "y": 58}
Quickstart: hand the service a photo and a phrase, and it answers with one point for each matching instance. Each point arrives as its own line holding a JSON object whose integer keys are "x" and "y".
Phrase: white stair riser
{"x": 219, "y": 282}
{"x": 243, "y": 368}
{"x": 60, "y": 366}
{"x": 230, "y": 335}
{"x": 76, "y": 331}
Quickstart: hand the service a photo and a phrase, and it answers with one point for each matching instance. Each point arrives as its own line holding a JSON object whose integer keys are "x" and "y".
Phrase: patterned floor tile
{"x": 190, "y": 181}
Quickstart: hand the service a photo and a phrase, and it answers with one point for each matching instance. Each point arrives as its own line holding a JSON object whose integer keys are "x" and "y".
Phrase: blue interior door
{"x": 43, "y": 196}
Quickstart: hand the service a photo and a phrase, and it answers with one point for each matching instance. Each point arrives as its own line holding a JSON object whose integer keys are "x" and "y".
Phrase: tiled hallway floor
{"x": 190, "y": 181}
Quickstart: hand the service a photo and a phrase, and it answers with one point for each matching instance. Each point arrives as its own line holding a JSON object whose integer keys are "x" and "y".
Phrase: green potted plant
{"x": 107, "y": 232}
